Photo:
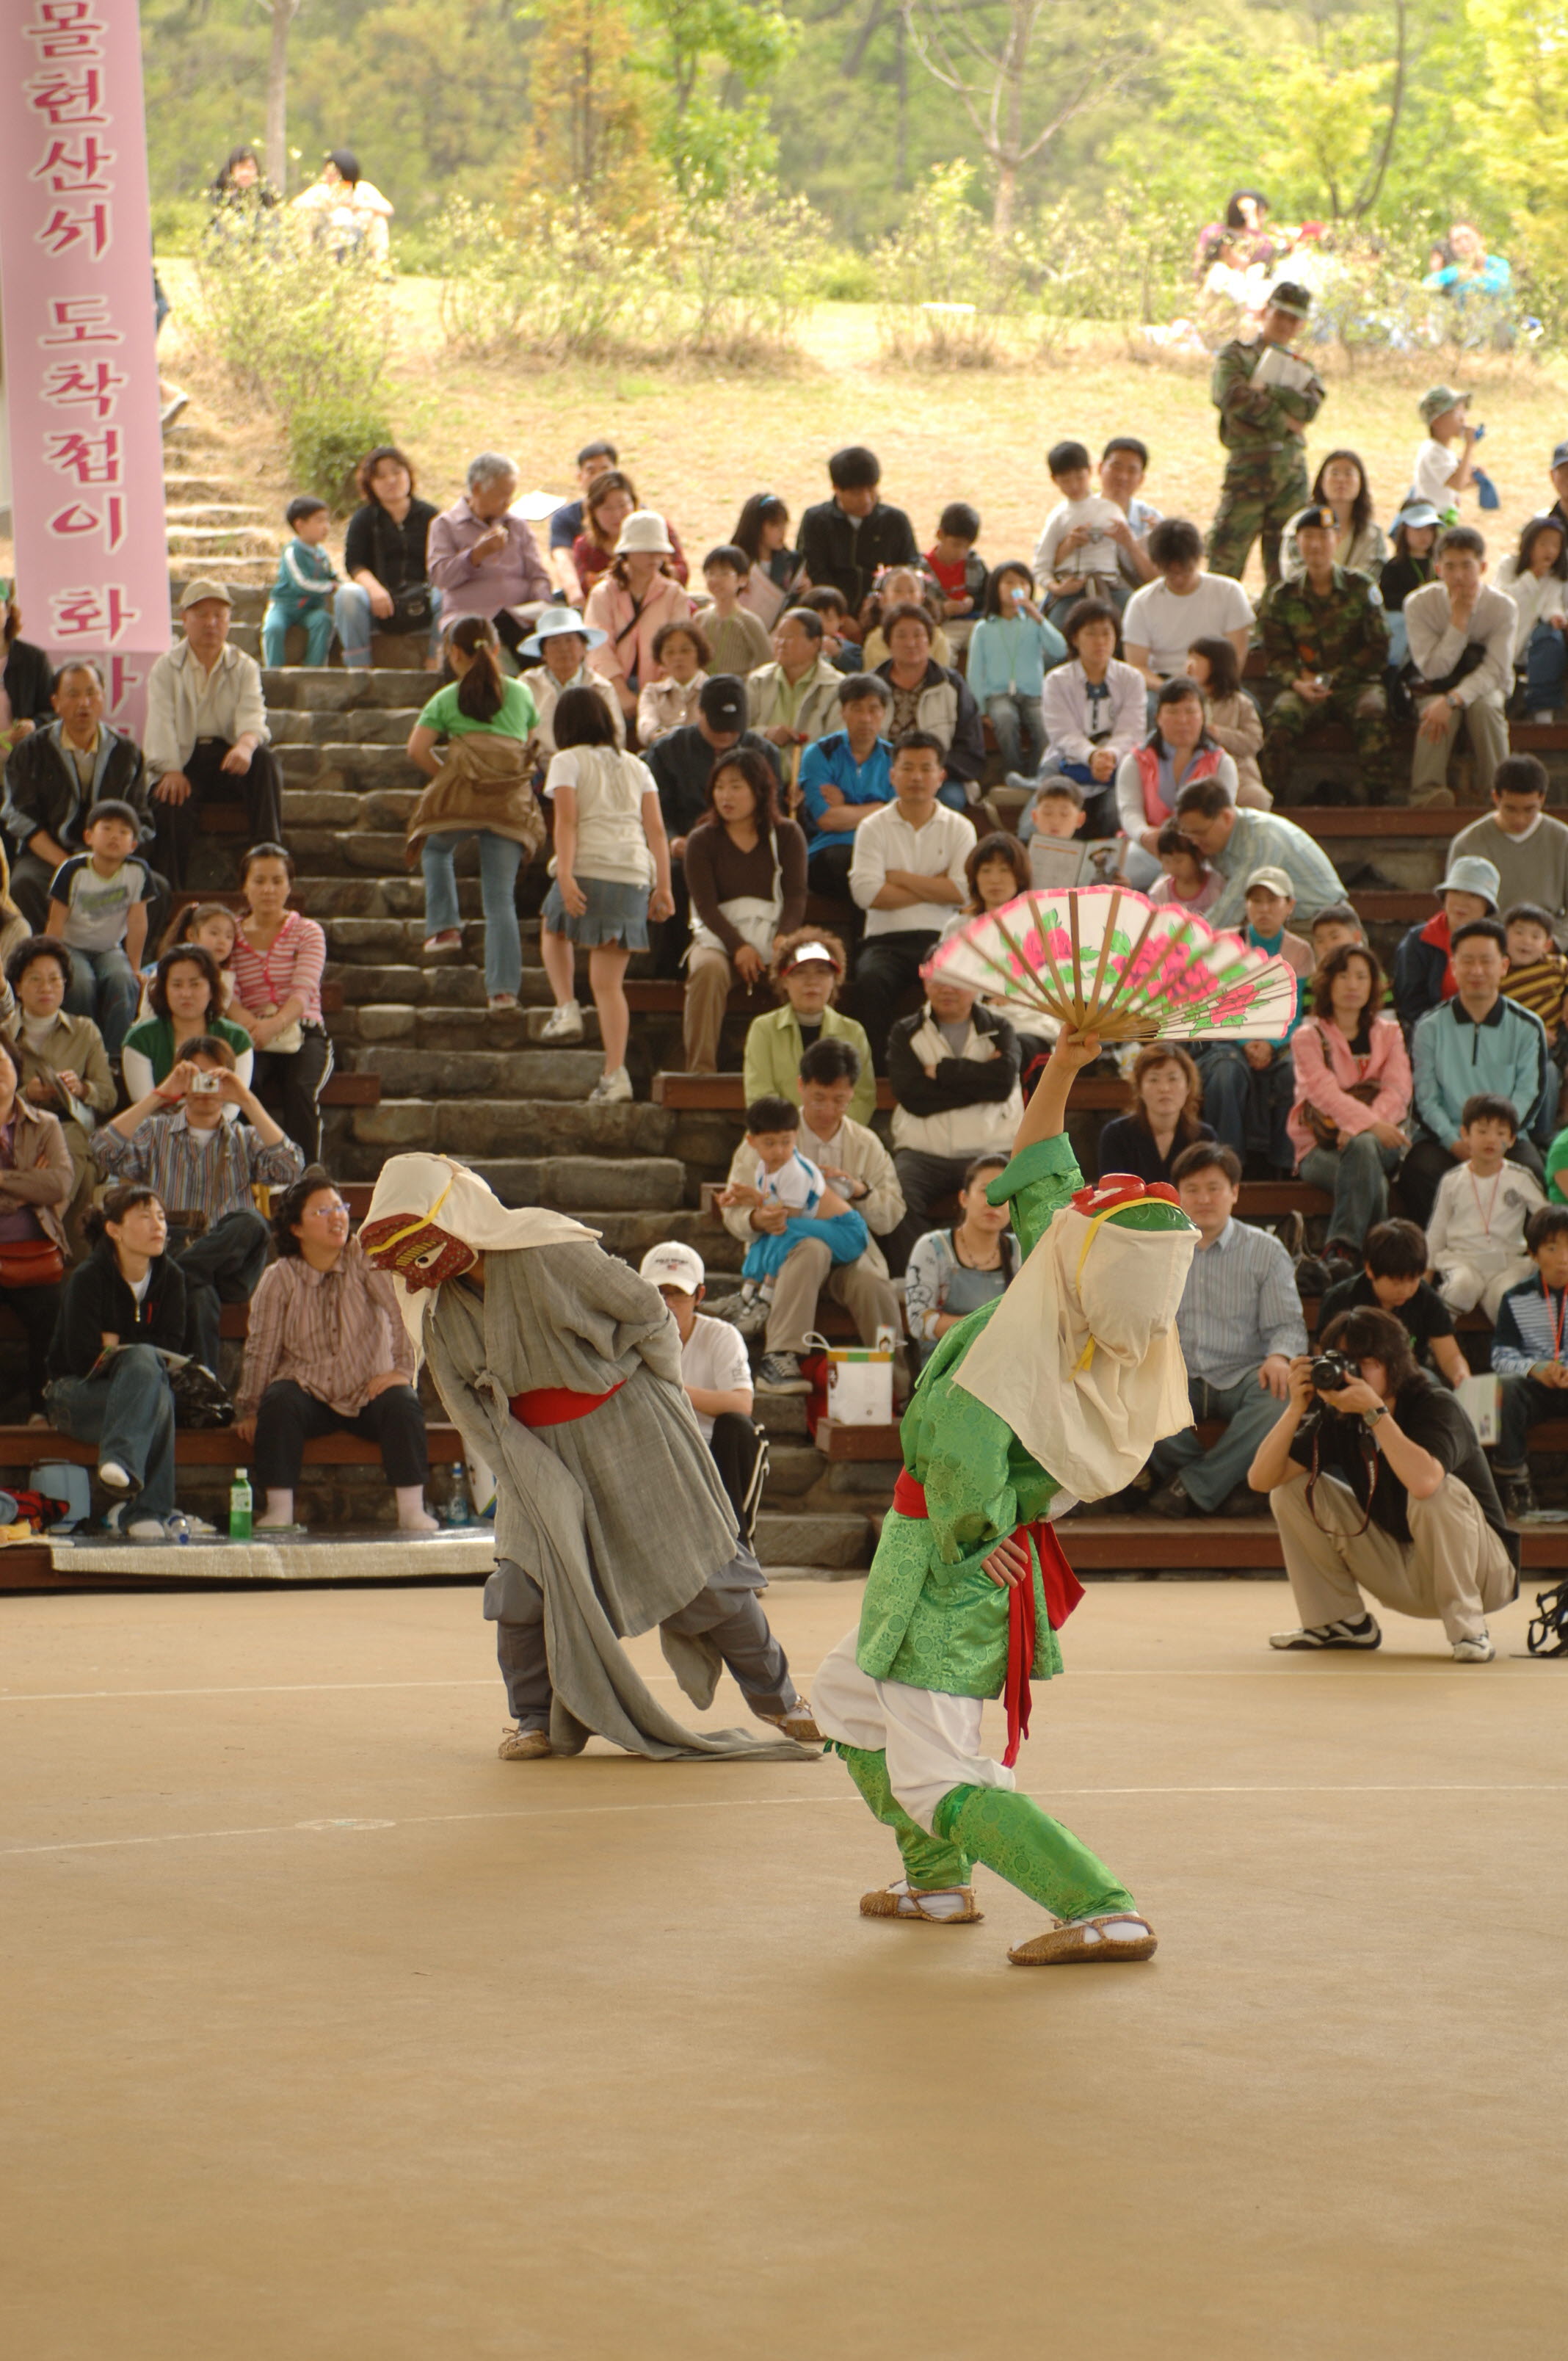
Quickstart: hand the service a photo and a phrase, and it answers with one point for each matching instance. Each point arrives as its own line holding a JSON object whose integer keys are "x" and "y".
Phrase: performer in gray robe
{"x": 561, "y": 1369}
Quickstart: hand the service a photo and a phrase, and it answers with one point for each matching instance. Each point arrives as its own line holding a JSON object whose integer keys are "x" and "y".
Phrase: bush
{"x": 292, "y": 327}
{"x": 722, "y": 276}
{"x": 947, "y": 285}
{"x": 177, "y": 226}
{"x": 327, "y": 438}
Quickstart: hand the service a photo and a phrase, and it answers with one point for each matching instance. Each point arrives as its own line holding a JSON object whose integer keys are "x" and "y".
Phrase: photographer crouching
{"x": 1375, "y": 1480}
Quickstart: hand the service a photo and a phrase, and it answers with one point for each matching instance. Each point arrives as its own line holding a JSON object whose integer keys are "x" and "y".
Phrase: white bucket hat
{"x": 554, "y": 624}
{"x": 1473, "y": 874}
{"x": 644, "y": 534}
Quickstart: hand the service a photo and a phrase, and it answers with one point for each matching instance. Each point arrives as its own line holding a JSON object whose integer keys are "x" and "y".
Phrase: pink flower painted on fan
{"x": 1057, "y": 945}
{"x": 1234, "y": 1007}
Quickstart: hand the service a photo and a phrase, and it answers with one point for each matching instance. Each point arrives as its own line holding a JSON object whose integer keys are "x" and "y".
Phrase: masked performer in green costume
{"x": 561, "y": 1369}
{"x": 1053, "y": 1393}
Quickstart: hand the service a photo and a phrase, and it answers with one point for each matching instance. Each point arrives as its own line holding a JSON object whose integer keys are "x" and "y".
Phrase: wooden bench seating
{"x": 725, "y": 1094}
{"x": 871, "y": 1443}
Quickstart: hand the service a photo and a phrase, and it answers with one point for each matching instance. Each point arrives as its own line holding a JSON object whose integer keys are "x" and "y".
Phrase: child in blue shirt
{"x": 1012, "y": 650}
{"x": 306, "y": 580}
{"x": 790, "y": 1181}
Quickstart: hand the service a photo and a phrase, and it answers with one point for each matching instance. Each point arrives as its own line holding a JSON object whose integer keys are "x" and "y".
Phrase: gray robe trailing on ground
{"x": 620, "y": 1516}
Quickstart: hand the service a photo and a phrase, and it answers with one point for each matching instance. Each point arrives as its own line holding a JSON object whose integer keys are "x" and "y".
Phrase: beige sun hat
{"x": 644, "y": 534}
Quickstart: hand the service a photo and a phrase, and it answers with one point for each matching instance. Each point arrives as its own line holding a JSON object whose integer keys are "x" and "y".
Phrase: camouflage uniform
{"x": 1266, "y": 475}
{"x": 1345, "y": 635}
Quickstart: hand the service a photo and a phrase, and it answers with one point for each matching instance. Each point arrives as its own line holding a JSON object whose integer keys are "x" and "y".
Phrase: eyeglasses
{"x": 325, "y": 1212}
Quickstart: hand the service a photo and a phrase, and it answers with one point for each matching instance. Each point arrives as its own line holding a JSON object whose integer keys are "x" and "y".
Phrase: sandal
{"x": 887, "y": 1902}
{"x": 1082, "y": 1941}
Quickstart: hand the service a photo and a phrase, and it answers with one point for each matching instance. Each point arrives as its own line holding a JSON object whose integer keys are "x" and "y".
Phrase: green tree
{"x": 1521, "y": 114}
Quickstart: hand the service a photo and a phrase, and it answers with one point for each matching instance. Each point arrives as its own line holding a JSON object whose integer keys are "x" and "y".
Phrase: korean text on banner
{"x": 76, "y": 311}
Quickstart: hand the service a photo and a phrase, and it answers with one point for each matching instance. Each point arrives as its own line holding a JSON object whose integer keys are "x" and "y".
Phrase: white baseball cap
{"x": 673, "y": 1265}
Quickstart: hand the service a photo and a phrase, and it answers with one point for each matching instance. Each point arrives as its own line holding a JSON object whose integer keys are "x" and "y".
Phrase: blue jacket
{"x": 1454, "y": 1058}
{"x": 828, "y": 762}
{"x": 1010, "y": 655}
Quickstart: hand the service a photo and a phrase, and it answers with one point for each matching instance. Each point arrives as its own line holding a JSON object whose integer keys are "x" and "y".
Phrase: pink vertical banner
{"x": 76, "y": 308}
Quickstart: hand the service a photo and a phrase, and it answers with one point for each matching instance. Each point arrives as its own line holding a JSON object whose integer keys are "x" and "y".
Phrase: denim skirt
{"x": 617, "y": 913}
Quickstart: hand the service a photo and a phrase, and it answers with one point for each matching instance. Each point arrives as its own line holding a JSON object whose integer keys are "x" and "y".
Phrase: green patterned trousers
{"x": 1363, "y": 707}
{"x": 1261, "y": 493}
{"x": 1006, "y": 1831}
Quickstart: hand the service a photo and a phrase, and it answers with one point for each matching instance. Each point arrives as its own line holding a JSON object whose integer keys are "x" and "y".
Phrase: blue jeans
{"x": 1015, "y": 718}
{"x": 1209, "y": 1475}
{"x": 499, "y": 861}
{"x": 1358, "y": 1176}
{"x": 105, "y": 986}
{"x": 351, "y": 613}
{"x": 315, "y": 617}
{"x": 129, "y": 1415}
{"x": 1248, "y": 1108}
{"x": 1545, "y": 666}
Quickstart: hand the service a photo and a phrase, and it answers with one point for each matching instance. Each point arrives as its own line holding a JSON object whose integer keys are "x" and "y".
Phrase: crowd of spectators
{"x": 785, "y": 773}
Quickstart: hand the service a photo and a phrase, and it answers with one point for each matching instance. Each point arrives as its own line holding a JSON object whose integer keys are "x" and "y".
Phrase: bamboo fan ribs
{"x": 1101, "y": 959}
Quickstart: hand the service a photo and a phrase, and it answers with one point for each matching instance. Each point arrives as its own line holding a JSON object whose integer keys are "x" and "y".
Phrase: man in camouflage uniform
{"x": 1264, "y": 428}
{"x": 1325, "y": 638}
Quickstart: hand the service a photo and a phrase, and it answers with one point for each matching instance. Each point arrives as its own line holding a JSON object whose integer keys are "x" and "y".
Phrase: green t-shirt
{"x": 518, "y": 717}
{"x": 1556, "y": 1163}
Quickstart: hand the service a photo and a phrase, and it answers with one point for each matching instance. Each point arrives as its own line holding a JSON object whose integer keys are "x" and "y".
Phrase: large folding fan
{"x": 1101, "y": 959}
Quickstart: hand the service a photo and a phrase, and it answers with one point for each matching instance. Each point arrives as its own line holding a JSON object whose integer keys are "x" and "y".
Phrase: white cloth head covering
{"x": 1105, "y": 1295}
{"x": 434, "y": 1189}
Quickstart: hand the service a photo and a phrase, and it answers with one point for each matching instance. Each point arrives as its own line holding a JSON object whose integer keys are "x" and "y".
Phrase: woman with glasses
{"x": 327, "y": 1352}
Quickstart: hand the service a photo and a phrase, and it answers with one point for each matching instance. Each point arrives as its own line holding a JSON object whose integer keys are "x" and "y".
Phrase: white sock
{"x": 949, "y": 1905}
{"x": 412, "y": 1515}
{"x": 279, "y": 1508}
{"x": 1127, "y": 1931}
{"x": 117, "y": 1479}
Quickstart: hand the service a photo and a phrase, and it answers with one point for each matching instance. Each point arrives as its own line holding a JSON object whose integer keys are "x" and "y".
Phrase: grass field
{"x": 698, "y": 441}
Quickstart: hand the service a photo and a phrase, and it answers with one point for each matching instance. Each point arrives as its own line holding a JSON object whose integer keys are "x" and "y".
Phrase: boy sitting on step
{"x": 791, "y": 1203}
{"x": 1475, "y": 1238}
{"x": 303, "y": 591}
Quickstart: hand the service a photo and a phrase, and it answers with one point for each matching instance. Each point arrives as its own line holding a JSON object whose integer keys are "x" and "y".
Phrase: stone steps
{"x": 501, "y": 1127}
{"x": 842, "y": 1543}
{"x": 448, "y": 1025}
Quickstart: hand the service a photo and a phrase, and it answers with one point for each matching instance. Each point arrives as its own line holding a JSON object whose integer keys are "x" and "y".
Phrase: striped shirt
{"x": 329, "y": 1331}
{"x": 1239, "y": 1305}
{"x": 1531, "y": 1324}
{"x": 215, "y": 1181}
{"x": 267, "y": 979}
{"x": 1539, "y": 984}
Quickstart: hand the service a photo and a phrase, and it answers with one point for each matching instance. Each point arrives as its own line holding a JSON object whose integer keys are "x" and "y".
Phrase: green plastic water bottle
{"x": 239, "y": 1507}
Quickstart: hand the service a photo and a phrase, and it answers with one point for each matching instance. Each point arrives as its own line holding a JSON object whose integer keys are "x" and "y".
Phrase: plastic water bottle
{"x": 459, "y": 1509}
{"x": 239, "y": 1507}
{"x": 178, "y": 1527}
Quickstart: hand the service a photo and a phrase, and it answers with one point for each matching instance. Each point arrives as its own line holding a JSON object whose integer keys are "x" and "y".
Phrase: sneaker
{"x": 1173, "y": 1499}
{"x": 500, "y": 1000}
{"x": 748, "y": 1314}
{"x": 1242, "y": 1501}
{"x": 1478, "y": 1651}
{"x": 1365, "y": 1635}
{"x": 1029, "y": 786}
{"x": 449, "y": 939}
{"x": 779, "y": 1373}
{"x": 116, "y": 1478}
{"x": 1543, "y": 720}
{"x": 564, "y": 1023}
{"x": 145, "y": 1529}
{"x": 613, "y": 1088}
{"x": 1514, "y": 1491}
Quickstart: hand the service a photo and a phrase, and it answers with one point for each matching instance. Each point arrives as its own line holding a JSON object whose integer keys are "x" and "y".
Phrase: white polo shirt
{"x": 887, "y": 841}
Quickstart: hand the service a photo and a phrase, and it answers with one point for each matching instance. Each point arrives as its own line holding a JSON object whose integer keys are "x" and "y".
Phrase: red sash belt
{"x": 1062, "y": 1591}
{"x": 556, "y": 1405}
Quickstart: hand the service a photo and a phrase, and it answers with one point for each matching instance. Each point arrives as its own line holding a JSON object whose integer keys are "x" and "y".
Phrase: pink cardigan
{"x": 628, "y": 650}
{"x": 1325, "y": 1069}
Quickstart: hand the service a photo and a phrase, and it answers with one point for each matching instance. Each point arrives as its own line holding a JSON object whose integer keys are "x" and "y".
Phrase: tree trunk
{"x": 1006, "y": 195}
{"x": 282, "y": 14}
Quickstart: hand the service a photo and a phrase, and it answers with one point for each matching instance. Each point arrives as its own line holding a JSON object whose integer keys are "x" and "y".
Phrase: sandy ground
{"x": 330, "y": 2036}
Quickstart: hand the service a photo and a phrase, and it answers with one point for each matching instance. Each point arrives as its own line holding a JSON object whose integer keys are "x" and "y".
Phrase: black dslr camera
{"x": 1330, "y": 1372}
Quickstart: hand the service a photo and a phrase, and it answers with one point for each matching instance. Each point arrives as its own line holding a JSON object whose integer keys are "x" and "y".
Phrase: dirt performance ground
{"x": 330, "y": 2036}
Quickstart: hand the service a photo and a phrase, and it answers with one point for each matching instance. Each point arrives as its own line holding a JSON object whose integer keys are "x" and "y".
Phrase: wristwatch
{"x": 1372, "y": 1416}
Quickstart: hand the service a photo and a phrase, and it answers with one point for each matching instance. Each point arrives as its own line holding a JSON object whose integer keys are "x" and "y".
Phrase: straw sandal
{"x": 524, "y": 1745}
{"x": 1066, "y": 1947}
{"x": 887, "y": 1902}
{"x": 796, "y": 1723}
